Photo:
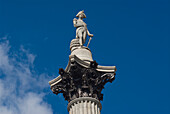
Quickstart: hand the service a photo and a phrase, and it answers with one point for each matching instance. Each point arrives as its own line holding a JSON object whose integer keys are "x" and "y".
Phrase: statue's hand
{"x": 90, "y": 35}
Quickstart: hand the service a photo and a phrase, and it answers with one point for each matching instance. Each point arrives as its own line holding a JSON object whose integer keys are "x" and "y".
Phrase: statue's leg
{"x": 80, "y": 35}
{"x": 80, "y": 40}
{"x": 84, "y": 36}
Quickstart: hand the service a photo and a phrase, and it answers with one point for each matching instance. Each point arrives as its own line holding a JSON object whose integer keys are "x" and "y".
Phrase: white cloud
{"x": 33, "y": 104}
{"x": 19, "y": 81}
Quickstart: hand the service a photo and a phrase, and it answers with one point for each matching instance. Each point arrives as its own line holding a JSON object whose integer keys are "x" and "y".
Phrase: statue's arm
{"x": 90, "y": 35}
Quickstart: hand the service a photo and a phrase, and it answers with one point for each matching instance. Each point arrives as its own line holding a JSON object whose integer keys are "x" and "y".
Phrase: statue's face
{"x": 81, "y": 16}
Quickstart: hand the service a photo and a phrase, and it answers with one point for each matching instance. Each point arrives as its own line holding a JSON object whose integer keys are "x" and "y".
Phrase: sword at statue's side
{"x": 89, "y": 41}
{"x": 90, "y": 35}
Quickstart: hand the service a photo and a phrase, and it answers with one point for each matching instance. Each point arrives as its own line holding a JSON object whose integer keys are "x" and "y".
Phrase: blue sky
{"x": 132, "y": 35}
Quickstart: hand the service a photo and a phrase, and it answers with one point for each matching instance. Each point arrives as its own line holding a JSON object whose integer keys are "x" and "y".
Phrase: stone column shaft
{"x": 84, "y": 105}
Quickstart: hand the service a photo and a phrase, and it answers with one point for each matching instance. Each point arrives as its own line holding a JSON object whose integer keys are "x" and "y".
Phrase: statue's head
{"x": 81, "y": 14}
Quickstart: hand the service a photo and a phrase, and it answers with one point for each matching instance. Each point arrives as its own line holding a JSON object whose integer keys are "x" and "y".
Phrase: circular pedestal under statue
{"x": 81, "y": 52}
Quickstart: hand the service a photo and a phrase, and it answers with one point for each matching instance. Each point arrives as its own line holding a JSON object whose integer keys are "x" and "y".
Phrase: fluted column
{"x": 84, "y": 105}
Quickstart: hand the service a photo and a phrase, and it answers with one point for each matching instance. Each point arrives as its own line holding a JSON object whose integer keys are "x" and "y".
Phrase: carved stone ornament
{"x": 82, "y": 79}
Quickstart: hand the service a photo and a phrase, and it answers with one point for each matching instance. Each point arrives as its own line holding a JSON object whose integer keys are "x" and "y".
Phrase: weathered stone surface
{"x": 83, "y": 53}
{"x": 74, "y": 44}
{"x": 80, "y": 81}
{"x": 84, "y": 105}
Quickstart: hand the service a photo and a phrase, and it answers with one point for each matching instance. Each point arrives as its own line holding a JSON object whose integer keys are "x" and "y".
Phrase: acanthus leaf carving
{"x": 82, "y": 82}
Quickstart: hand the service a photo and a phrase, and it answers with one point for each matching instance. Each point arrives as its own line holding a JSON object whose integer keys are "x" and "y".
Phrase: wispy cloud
{"x": 19, "y": 82}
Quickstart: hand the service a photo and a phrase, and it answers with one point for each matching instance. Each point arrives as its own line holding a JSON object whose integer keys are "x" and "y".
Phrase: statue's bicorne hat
{"x": 81, "y": 12}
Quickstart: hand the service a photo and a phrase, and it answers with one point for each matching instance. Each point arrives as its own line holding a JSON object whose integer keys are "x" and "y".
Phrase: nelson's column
{"x": 83, "y": 79}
